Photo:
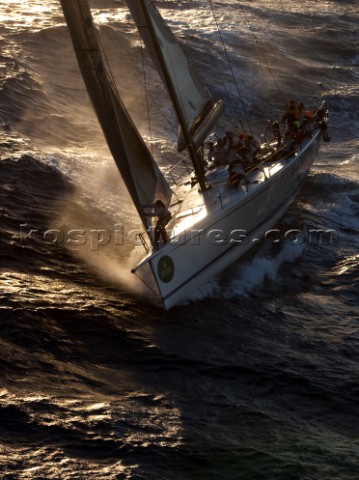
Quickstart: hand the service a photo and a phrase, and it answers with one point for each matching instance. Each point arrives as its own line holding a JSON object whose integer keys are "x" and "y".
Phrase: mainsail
{"x": 141, "y": 174}
{"x": 200, "y": 110}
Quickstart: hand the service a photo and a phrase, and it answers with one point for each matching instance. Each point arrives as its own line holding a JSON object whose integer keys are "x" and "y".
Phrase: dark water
{"x": 256, "y": 376}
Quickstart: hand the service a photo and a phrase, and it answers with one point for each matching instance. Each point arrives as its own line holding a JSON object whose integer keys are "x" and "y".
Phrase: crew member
{"x": 158, "y": 209}
{"x": 292, "y": 115}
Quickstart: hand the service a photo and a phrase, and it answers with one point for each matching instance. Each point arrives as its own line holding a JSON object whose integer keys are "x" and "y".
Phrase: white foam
{"x": 248, "y": 277}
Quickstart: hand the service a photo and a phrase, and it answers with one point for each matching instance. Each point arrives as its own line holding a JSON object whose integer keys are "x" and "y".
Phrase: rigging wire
{"x": 145, "y": 83}
{"x": 145, "y": 87}
{"x": 111, "y": 77}
{"x": 155, "y": 292}
{"x": 144, "y": 76}
{"x": 231, "y": 67}
{"x": 261, "y": 51}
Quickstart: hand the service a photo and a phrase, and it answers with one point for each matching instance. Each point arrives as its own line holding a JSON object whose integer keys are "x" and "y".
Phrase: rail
{"x": 178, "y": 171}
{"x": 278, "y": 153}
{"x": 143, "y": 241}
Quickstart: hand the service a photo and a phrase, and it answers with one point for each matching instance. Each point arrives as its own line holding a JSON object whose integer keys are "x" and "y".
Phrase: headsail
{"x": 142, "y": 176}
{"x": 200, "y": 110}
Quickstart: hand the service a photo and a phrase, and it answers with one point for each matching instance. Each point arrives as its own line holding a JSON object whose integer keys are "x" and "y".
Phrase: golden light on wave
{"x": 26, "y": 13}
{"x": 22, "y": 14}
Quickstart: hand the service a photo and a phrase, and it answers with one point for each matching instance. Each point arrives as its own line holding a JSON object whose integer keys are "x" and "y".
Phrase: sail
{"x": 141, "y": 174}
{"x": 200, "y": 110}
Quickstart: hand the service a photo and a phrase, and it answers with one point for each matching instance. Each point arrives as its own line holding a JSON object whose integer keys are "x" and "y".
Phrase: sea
{"x": 256, "y": 375}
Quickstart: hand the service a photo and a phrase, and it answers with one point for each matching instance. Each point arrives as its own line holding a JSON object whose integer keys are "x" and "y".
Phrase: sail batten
{"x": 200, "y": 110}
{"x": 142, "y": 176}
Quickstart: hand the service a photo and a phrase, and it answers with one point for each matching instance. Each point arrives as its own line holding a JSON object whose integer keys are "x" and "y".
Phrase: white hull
{"x": 216, "y": 241}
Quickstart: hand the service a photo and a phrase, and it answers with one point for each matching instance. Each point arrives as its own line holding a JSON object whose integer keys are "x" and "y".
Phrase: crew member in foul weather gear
{"x": 158, "y": 209}
{"x": 292, "y": 115}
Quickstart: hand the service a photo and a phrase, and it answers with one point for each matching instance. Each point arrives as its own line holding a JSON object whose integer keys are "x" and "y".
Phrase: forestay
{"x": 200, "y": 110}
{"x": 142, "y": 176}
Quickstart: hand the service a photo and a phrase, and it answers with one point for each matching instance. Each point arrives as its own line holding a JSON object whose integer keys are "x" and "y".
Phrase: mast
{"x": 196, "y": 160}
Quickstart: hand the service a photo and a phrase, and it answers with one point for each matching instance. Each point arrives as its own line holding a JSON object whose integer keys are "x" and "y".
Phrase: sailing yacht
{"x": 213, "y": 220}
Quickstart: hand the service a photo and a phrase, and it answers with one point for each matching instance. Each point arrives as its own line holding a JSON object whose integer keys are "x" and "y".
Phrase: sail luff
{"x": 142, "y": 176}
{"x": 175, "y": 100}
{"x": 200, "y": 110}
